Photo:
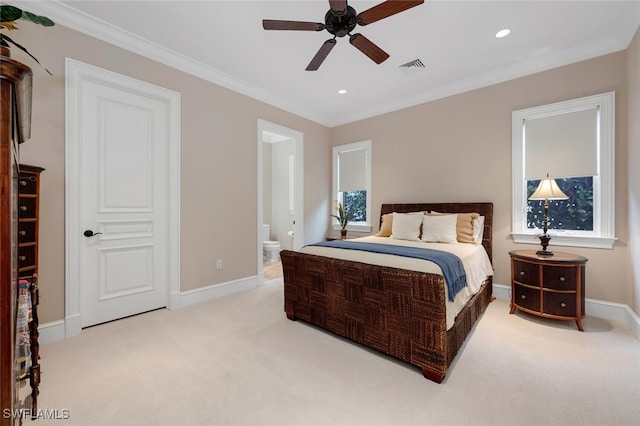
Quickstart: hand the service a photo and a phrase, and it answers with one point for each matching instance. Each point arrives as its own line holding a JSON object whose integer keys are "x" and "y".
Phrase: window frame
{"x": 352, "y": 226}
{"x": 603, "y": 234}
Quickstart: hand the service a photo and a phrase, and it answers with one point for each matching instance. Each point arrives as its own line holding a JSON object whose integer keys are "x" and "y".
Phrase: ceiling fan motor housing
{"x": 340, "y": 23}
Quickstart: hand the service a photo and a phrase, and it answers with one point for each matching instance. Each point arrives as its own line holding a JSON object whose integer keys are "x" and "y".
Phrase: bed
{"x": 399, "y": 312}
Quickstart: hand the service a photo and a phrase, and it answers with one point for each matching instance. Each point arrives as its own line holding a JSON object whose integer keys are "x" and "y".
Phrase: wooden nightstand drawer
{"x": 562, "y": 304}
{"x": 526, "y": 273}
{"x": 559, "y": 277}
{"x": 526, "y": 297}
{"x": 550, "y": 286}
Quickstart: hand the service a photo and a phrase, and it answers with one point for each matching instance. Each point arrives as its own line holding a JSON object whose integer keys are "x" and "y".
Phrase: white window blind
{"x": 352, "y": 170}
{"x": 563, "y": 145}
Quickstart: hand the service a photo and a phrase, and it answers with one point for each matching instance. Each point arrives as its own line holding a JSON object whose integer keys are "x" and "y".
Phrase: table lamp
{"x": 547, "y": 190}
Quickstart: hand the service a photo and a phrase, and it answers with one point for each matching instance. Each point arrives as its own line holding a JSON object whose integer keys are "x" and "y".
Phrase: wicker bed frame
{"x": 397, "y": 312}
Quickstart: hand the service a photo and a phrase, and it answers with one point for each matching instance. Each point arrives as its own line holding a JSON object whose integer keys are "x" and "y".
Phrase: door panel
{"x": 123, "y": 191}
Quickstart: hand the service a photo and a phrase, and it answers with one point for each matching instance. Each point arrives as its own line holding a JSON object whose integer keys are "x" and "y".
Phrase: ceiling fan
{"x": 340, "y": 20}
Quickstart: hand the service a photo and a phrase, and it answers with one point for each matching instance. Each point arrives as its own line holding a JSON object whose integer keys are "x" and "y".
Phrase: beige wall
{"x": 219, "y": 162}
{"x": 459, "y": 149}
{"x": 453, "y": 149}
{"x": 633, "y": 78}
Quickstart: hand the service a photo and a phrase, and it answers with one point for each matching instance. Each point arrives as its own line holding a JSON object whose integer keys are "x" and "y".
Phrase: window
{"x": 352, "y": 183}
{"x": 573, "y": 142}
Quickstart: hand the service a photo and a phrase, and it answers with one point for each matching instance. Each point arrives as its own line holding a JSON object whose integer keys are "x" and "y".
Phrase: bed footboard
{"x": 394, "y": 311}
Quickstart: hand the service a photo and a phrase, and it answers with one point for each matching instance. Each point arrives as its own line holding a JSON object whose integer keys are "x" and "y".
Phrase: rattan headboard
{"x": 484, "y": 209}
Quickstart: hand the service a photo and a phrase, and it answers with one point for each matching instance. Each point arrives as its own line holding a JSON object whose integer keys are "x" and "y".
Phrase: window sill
{"x": 567, "y": 240}
{"x": 364, "y": 227}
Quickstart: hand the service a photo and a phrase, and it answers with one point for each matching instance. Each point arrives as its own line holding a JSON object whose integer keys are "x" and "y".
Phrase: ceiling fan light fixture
{"x": 503, "y": 33}
{"x": 339, "y": 21}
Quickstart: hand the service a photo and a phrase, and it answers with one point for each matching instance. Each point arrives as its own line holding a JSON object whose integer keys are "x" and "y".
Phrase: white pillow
{"x": 478, "y": 229}
{"x": 440, "y": 229}
{"x": 406, "y": 226}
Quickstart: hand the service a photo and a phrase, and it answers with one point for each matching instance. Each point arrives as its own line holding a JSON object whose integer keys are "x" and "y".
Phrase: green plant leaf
{"x": 7, "y": 38}
{"x": 9, "y": 13}
{"x": 40, "y": 20}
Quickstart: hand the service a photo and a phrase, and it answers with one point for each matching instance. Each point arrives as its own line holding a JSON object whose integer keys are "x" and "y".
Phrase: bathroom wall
{"x": 266, "y": 181}
{"x": 281, "y": 218}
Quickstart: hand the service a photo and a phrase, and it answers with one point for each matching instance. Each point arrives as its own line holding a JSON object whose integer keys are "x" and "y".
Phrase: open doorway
{"x": 280, "y": 195}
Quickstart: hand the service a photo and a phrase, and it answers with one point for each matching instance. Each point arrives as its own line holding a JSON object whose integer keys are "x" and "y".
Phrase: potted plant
{"x": 343, "y": 219}
{"x": 8, "y": 17}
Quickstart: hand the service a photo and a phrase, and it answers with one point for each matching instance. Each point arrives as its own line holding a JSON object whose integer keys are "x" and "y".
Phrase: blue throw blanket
{"x": 451, "y": 265}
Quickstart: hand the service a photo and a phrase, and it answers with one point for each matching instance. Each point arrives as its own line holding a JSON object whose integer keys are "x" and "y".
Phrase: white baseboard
{"x": 51, "y": 332}
{"x": 69, "y": 327}
{"x": 595, "y": 308}
{"x": 55, "y": 330}
{"x": 202, "y": 294}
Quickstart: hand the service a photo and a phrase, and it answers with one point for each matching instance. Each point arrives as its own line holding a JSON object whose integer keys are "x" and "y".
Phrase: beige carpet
{"x": 237, "y": 360}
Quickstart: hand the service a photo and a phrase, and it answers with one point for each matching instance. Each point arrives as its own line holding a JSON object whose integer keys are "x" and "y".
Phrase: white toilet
{"x": 270, "y": 249}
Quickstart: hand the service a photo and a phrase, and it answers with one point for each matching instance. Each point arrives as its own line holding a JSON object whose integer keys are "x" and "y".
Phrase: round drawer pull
{"x": 562, "y": 278}
{"x": 523, "y": 297}
{"x": 22, "y": 233}
{"x": 564, "y": 305}
{"x": 23, "y": 183}
{"x": 24, "y": 208}
{"x": 22, "y": 258}
{"x": 521, "y": 273}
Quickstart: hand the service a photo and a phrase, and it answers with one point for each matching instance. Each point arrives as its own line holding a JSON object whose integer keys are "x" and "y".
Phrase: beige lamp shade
{"x": 548, "y": 189}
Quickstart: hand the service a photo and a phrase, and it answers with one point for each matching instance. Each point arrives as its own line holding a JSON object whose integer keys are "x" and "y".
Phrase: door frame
{"x": 298, "y": 159}
{"x": 76, "y": 73}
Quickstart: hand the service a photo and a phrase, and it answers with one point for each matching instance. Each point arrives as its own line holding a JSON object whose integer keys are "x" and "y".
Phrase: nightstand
{"x": 548, "y": 286}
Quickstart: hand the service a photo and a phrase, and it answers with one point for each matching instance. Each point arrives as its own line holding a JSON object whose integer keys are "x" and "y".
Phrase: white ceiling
{"x": 223, "y": 41}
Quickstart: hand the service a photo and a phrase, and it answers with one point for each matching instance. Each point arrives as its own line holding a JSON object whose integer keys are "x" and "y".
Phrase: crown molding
{"x": 521, "y": 69}
{"x": 74, "y": 19}
{"x": 79, "y": 21}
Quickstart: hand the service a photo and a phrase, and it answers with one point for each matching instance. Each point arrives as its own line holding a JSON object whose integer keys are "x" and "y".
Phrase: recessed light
{"x": 342, "y": 91}
{"x": 503, "y": 33}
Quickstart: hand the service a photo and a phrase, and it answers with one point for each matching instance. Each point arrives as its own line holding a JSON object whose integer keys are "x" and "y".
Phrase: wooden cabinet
{"x": 548, "y": 286}
{"x": 28, "y": 218}
{"x": 15, "y": 120}
{"x": 28, "y": 241}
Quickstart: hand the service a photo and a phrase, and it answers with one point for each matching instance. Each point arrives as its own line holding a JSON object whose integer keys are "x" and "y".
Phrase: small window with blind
{"x": 352, "y": 183}
{"x": 573, "y": 143}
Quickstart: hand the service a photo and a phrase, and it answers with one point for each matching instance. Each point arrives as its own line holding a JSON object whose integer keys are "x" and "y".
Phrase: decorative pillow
{"x": 385, "y": 228}
{"x": 464, "y": 226}
{"x": 439, "y": 228}
{"x": 478, "y": 229}
{"x": 406, "y": 226}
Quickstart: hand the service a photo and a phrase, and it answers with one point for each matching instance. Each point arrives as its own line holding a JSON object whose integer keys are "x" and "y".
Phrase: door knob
{"x": 90, "y": 233}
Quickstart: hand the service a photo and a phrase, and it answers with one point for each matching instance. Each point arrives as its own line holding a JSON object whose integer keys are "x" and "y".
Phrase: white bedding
{"x": 477, "y": 265}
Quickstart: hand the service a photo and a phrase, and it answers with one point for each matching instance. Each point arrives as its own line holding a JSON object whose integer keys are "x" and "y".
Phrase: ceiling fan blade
{"x": 369, "y": 48}
{"x": 274, "y": 24}
{"x": 385, "y": 9}
{"x": 338, "y": 5}
{"x": 321, "y": 55}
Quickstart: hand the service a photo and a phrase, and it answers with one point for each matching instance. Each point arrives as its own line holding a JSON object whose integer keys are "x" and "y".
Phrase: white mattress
{"x": 475, "y": 260}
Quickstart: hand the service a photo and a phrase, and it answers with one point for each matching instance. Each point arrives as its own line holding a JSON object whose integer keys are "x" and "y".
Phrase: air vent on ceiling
{"x": 412, "y": 67}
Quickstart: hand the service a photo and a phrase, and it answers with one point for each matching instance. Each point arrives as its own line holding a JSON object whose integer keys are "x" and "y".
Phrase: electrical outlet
{"x": 219, "y": 264}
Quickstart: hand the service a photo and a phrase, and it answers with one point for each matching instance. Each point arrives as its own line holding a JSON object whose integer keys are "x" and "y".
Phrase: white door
{"x": 123, "y": 141}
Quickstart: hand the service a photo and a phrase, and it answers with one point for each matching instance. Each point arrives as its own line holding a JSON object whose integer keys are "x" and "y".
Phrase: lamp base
{"x": 544, "y": 252}
{"x": 544, "y": 241}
